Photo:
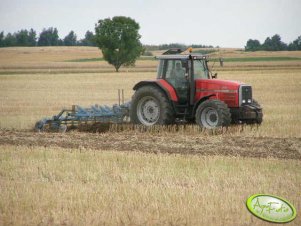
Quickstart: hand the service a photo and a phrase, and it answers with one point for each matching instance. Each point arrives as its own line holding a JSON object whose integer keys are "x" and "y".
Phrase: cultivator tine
{"x": 81, "y": 112}
{"x": 95, "y": 109}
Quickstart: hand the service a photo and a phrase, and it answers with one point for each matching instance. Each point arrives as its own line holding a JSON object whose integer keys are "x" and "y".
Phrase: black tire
{"x": 150, "y": 106}
{"x": 212, "y": 114}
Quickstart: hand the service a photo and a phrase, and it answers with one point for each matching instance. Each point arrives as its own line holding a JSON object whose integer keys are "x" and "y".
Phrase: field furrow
{"x": 257, "y": 147}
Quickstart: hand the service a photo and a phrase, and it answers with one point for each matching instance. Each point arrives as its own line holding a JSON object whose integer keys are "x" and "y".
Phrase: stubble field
{"x": 176, "y": 175}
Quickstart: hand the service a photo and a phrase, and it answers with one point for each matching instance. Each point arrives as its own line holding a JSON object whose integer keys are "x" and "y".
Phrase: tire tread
{"x": 168, "y": 115}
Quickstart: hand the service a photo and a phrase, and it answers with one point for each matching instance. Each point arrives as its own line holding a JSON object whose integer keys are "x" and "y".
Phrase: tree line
{"x": 175, "y": 45}
{"x": 273, "y": 43}
{"x": 48, "y": 37}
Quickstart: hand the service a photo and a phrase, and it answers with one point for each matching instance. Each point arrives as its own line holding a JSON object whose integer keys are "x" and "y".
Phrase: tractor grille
{"x": 245, "y": 95}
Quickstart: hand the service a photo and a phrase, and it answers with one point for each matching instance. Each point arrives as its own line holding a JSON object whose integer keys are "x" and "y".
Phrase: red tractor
{"x": 186, "y": 91}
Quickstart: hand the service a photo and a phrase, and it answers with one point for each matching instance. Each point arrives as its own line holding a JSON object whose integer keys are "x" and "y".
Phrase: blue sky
{"x": 213, "y": 22}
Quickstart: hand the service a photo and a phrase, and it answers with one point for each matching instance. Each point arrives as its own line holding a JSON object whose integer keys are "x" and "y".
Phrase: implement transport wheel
{"x": 212, "y": 114}
{"x": 62, "y": 128}
{"x": 150, "y": 106}
{"x": 39, "y": 126}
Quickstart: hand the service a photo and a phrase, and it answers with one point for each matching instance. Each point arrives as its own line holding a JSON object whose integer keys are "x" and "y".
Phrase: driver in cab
{"x": 178, "y": 73}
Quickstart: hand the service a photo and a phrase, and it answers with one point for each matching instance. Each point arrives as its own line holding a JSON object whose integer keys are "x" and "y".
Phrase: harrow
{"x": 77, "y": 116}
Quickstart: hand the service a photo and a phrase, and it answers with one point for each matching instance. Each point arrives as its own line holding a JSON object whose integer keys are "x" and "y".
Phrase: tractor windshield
{"x": 200, "y": 69}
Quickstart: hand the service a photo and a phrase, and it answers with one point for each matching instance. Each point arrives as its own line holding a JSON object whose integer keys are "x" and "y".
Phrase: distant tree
{"x": 60, "y": 42}
{"x": 70, "y": 39}
{"x": 252, "y": 45}
{"x": 2, "y": 44}
{"x": 172, "y": 45}
{"x": 295, "y": 45}
{"x": 48, "y": 37}
{"x": 22, "y": 38}
{"x": 267, "y": 45}
{"x": 147, "y": 53}
{"x": 278, "y": 44}
{"x": 32, "y": 37}
{"x": 270, "y": 44}
{"x": 151, "y": 47}
{"x": 10, "y": 40}
{"x": 89, "y": 39}
{"x": 119, "y": 40}
{"x": 274, "y": 44}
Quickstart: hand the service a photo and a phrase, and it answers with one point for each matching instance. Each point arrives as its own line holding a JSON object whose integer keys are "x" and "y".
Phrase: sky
{"x": 228, "y": 23}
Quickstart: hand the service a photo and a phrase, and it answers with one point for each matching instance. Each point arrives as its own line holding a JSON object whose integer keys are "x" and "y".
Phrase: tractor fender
{"x": 167, "y": 89}
{"x": 201, "y": 101}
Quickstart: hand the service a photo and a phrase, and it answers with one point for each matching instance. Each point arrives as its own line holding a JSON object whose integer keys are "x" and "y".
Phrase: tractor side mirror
{"x": 221, "y": 62}
{"x": 214, "y": 76}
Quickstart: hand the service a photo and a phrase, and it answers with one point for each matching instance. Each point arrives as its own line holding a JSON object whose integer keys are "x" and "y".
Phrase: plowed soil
{"x": 224, "y": 145}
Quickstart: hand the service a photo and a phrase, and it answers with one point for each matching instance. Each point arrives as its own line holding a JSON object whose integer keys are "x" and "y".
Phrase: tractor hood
{"x": 225, "y": 90}
{"x": 217, "y": 85}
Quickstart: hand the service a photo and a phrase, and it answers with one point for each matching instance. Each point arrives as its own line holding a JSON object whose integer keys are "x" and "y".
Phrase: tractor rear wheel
{"x": 213, "y": 113}
{"x": 150, "y": 106}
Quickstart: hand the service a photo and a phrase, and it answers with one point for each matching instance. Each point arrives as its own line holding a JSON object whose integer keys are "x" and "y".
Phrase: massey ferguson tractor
{"x": 185, "y": 91}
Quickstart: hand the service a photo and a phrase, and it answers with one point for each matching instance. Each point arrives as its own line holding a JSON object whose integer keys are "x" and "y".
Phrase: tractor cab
{"x": 181, "y": 71}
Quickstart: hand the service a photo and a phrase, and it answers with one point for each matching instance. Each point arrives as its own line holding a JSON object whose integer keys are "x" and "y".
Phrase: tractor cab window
{"x": 200, "y": 70}
{"x": 160, "y": 69}
{"x": 175, "y": 71}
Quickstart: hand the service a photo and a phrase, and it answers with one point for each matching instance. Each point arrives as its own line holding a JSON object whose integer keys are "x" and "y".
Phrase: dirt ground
{"x": 198, "y": 144}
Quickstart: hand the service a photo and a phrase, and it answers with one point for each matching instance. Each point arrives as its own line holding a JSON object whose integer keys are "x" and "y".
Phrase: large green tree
{"x": 119, "y": 40}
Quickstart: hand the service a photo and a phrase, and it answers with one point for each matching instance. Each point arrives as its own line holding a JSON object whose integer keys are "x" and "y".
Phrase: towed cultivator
{"x": 78, "y": 116}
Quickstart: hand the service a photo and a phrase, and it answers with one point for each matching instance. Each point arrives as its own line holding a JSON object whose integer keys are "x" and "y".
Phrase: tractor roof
{"x": 177, "y": 53}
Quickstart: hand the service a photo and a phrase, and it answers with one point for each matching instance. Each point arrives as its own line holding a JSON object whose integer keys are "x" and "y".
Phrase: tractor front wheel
{"x": 258, "y": 119}
{"x": 150, "y": 106}
{"x": 213, "y": 113}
